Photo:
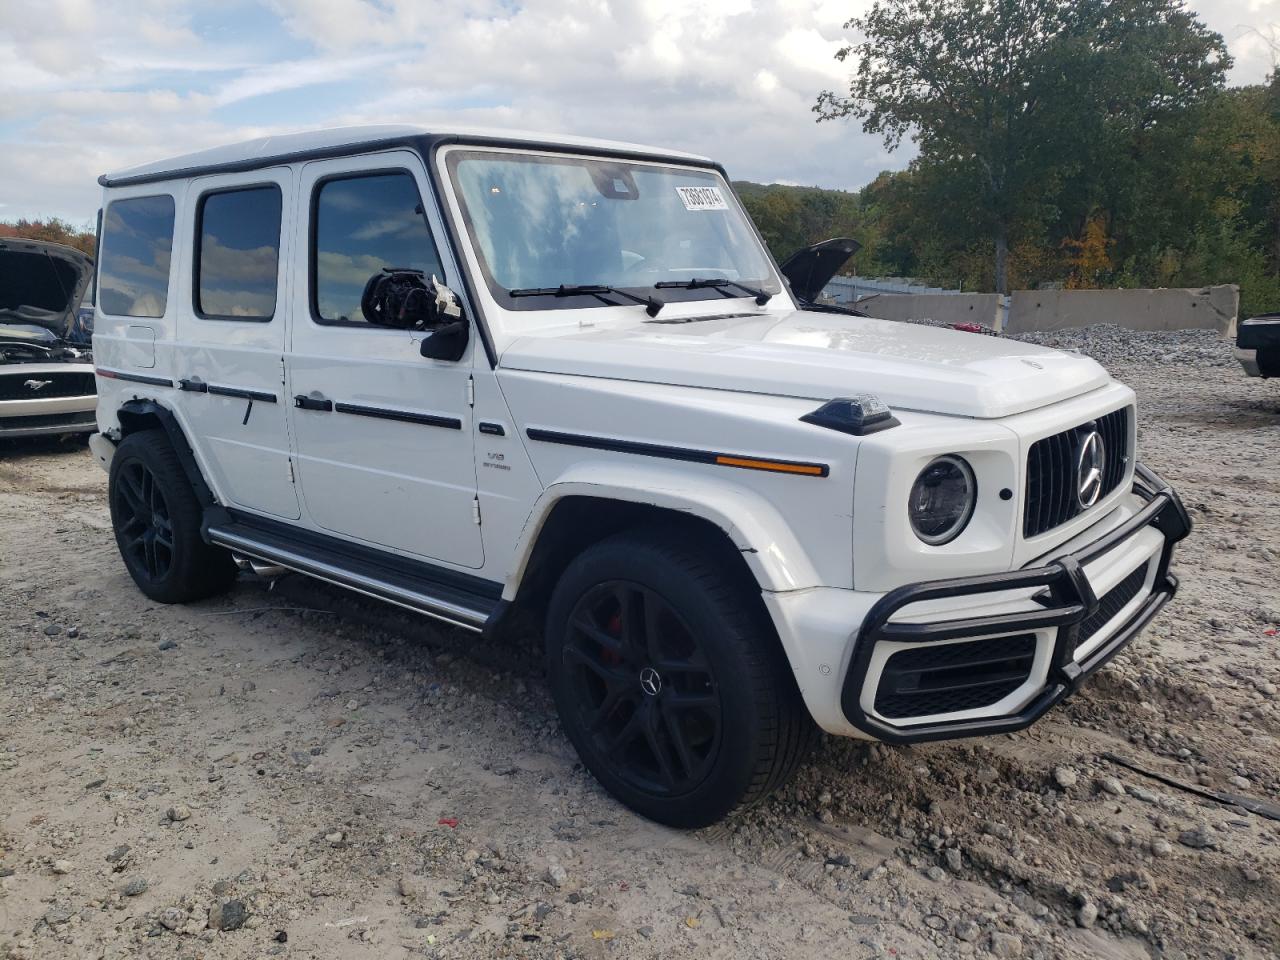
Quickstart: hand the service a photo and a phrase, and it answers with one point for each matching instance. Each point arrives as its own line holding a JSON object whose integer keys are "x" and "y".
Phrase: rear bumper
{"x": 103, "y": 449}
{"x": 1248, "y": 359}
{"x": 1258, "y": 345}
{"x": 1064, "y": 630}
{"x": 1259, "y": 362}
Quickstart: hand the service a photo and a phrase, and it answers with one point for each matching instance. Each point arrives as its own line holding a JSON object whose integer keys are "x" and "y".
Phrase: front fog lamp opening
{"x": 942, "y": 500}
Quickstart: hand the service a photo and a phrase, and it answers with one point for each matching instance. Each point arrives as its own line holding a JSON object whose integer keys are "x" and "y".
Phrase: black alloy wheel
{"x": 669, "y": 678}
{"x": 646, "y": 693}
{"x": 156, "y": 517}
{"x": 146, "y": 530}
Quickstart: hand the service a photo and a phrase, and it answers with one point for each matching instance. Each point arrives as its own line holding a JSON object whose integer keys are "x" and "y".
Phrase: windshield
{"x": 539, "y": 223}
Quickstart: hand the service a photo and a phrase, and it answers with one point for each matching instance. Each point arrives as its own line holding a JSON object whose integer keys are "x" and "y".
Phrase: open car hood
{"x": 41, "y": 284}
{"x": 811, "y": 269}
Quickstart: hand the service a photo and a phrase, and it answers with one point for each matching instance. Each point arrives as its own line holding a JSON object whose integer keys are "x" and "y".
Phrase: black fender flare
{"x": 137, "y": 414}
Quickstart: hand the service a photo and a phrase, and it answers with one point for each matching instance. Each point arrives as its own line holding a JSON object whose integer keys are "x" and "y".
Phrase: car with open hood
{"x": 503, "y": 378}
{"x": 46, "y": 368}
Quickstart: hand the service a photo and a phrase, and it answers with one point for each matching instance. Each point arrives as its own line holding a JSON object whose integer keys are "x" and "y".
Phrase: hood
{"x": 811, "y": 269}
{"x": 821, "y": 356}
{"x": 41, "y": 285}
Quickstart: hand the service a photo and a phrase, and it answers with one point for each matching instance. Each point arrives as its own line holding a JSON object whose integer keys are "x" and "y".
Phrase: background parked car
{"x": 46, "y": 364}
{"x": 81, "y": 333}
{"x": 1258, "y": 345}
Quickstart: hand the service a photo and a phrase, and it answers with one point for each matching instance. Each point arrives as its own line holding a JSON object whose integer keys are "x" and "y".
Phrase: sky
{"x": 88, "y": 86}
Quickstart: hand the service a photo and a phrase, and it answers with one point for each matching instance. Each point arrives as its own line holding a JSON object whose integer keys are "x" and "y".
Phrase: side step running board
{"x": 445, "y": 602}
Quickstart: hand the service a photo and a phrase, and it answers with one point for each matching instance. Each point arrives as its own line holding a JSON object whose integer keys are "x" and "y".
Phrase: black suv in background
{"x": 1258, "y": 345}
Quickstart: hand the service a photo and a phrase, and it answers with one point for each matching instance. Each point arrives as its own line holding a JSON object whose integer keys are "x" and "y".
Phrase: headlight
{"x": 942, "y": 500}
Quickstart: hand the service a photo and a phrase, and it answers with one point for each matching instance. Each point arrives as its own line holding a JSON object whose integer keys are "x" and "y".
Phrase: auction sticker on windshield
{"x": 702, "y": 198}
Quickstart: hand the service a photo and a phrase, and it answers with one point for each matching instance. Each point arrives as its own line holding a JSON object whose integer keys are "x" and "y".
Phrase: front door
{"x": 382, "y": 435}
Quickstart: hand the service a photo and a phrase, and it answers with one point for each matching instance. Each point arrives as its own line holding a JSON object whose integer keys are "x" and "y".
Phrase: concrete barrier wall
{"x": 1172, "y": 308}
{"x": 941, "y": 307}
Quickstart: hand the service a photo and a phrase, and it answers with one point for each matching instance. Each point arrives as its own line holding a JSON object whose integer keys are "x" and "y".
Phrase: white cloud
{"x": 766, "y": 80}
{"x": 295, "y": 74}
{"x": 347, "y": 24}
{"x": 805, "y": 48}
{"x": 93, "y": 85}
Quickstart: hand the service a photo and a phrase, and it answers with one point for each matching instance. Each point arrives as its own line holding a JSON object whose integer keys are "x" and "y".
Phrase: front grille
{"x": 1112, "y": 602}
{"x": 13, "y": 386}
{"x": 1052, "y": 485}
{"x": 944, "y": 678}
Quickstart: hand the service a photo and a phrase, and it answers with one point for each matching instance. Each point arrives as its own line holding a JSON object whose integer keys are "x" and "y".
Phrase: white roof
{"x": 266, "y": 149}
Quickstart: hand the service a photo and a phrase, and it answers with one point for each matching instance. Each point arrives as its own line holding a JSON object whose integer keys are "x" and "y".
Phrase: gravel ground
{"x": 296, "y": 772}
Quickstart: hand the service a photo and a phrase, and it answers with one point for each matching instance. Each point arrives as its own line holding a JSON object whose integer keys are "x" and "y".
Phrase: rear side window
{"x": 238, "y": 253}
{"x": 137, "y": 242}
{"x": 359, "y": 225}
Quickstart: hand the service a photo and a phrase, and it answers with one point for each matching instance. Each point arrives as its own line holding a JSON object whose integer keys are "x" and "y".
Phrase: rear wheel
{"x": 156, "y": 518}
{"x": 670, "y": 682}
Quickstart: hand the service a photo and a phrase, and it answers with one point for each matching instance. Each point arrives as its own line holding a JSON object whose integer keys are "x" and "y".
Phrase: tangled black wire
{"x": 398, "y": 297}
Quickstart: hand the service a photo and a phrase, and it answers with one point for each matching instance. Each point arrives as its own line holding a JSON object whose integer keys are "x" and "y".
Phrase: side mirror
{"x": 447, "y": 329}
{"x": 405, "y": 299}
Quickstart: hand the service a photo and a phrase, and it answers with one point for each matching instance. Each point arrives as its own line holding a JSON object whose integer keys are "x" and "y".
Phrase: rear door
{"x": 231, "y": 334}
{"x": 382, "y": 435}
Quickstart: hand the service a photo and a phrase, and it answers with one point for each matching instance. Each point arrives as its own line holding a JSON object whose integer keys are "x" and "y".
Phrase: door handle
{"x": 312, "y": 403}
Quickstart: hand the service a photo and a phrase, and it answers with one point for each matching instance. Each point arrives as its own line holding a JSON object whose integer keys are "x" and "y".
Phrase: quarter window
{"x": 133, "y": 270}
{"x": 361, "y": 224}
{"x": 238, "y": 257}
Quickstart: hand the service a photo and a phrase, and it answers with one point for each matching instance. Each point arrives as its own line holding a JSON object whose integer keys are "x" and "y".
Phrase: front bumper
{"x": 35, "y": 418}
{"x": 1048, "y": 640}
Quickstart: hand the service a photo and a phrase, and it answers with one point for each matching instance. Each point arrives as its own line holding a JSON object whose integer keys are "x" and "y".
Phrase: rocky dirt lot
{"x": 296, "y": 772}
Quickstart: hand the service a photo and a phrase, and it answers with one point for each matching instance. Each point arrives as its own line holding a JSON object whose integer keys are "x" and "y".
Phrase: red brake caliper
{"x": 614, "y": 629}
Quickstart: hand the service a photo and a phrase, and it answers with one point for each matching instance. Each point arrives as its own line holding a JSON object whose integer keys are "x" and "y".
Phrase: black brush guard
{"x": 1068, "y": 601}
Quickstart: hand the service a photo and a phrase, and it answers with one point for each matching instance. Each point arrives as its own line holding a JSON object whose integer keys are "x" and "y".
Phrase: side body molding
{"x": 754, "y": 525}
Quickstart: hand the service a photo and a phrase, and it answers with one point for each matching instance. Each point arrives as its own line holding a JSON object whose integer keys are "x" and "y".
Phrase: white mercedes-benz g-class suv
{"x": 479, "y": 374}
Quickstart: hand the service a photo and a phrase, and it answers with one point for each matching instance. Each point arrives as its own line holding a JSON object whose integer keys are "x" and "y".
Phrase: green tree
{"x": 793, "y": 217}
{"x": 1014, "y": 98}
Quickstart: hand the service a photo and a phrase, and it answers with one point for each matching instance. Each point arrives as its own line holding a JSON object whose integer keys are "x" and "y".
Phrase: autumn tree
{"x": 1089, "y": 255}
{"x": 53, "y": 230}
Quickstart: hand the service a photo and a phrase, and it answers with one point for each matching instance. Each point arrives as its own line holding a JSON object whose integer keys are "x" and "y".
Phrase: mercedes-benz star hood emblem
{"x": 1091, "y": 462}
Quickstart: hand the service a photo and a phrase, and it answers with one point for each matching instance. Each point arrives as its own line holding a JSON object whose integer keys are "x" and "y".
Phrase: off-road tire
{"x": 151, "y": 497}
{"x": 764, "y": 729}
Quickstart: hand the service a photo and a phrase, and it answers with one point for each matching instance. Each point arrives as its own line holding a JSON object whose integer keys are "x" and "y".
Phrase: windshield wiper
{"x": 597, "y": 290}
{"x": 716, "y": 283}
{"x": 809, "y": 307}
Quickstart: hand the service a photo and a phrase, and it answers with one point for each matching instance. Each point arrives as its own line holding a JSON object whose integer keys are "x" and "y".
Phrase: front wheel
{"x": 156, "y": 518}
{"x": 670, "y": 682}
